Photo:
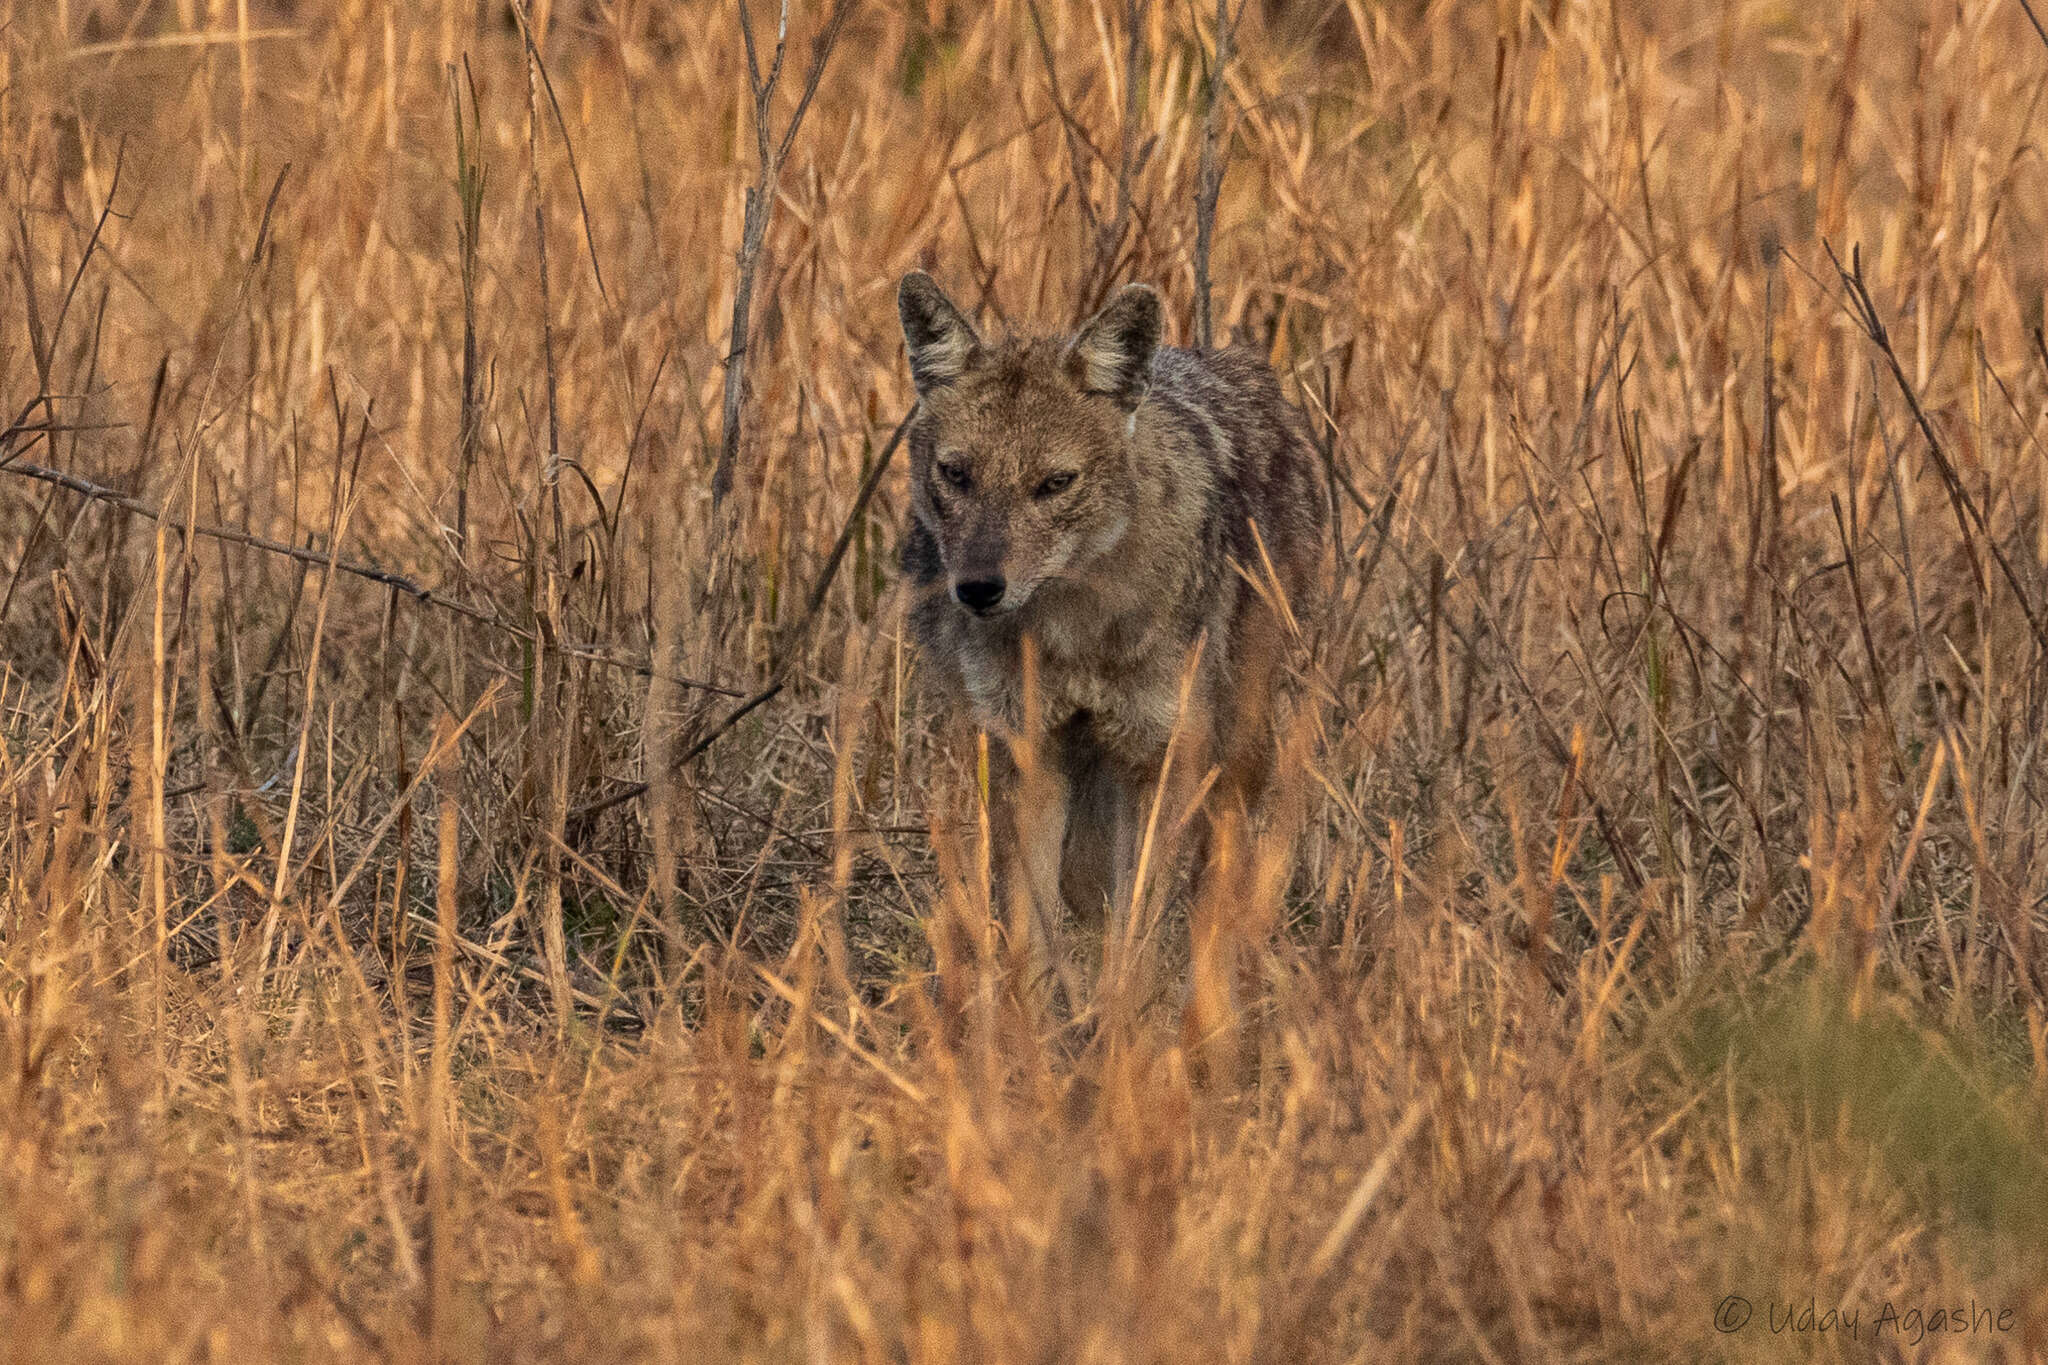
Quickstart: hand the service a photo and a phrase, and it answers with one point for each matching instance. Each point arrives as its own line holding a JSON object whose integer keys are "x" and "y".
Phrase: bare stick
{"x": 99, "y": 227}
{"x": 540, "y": 233}
{"x": 547, "y": 86}
{"x": 236, "y": 536}
{"x": 852, "y": 523}
{"x": 717, "y": 732}
{"x": 1864, "y": 309}
{"x": 1077, "y": 140}
{"x": 447, "y": 909}
{"x": 469, "y": 184}
{"x": 43, "y": 348}
{"x": 1209, "y": 182}
{"x": 1104, "y": 235}
{"x": 1111, "y": 239}
{"x": 547, "y": 769}
{"x": 2032, "y": 18}
{"x": 759, "y": 208}
{"x": 797, "y": 637}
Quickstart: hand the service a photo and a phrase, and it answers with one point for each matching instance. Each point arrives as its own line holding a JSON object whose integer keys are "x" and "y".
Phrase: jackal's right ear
{"x": 1113, "y": 353}
{"x": 941, "y": 342}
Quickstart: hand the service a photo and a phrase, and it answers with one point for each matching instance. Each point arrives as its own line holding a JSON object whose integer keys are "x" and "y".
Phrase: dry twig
{"x": 771, "y": 155}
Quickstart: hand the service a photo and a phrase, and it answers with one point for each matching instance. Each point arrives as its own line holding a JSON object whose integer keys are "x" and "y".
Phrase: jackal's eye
{"x": 955, "y": 473}
{"x": 1054, "y": 484}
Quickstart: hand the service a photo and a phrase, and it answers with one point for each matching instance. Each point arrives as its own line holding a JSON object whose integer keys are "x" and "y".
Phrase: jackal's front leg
{"x": 1131, "y": 814}
{"x": 1034, "y": 797}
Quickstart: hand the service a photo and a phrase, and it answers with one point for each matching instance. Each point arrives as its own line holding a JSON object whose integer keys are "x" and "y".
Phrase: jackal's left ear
{"x": 1112, "y": 355}
{"x": 941, "y": 342}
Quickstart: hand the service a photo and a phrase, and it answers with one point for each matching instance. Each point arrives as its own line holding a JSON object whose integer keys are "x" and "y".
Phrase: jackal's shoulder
{"x": 1222, "y": 415}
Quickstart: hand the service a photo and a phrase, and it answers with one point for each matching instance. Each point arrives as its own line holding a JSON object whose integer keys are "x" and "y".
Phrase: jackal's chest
{"x": 1130, "y": 687}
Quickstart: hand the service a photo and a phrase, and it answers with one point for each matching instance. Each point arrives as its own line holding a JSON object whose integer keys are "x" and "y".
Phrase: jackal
{"x": 1106, "y": 537}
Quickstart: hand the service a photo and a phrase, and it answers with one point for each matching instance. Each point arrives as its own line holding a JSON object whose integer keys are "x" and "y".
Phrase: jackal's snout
{"x": 979, "y": 595}
{"x": 978, "y": 561}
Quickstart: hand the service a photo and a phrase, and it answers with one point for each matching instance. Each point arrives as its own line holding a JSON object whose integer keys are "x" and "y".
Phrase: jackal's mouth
{"x": 992, "y": 611}
{"x": 983, "y": 607}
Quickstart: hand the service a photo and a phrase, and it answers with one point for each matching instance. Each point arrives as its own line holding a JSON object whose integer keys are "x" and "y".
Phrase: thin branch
{"x": 846, "y": 531}
{"x": 552, "y": 471}
{"x": 817, "y": 73}
{"x": 1209, "y": 181}
{"x": 2039, "y": 32}
{"x": 760, "y": 204}
{"x": 802, "y": 631}
{"x": 1076, "y": 140}
{"x": 716, "y": 733}
{"x": 470, "y": 180}
{"x": 547, "y": 85}
{"x": 235, "y": 536}
{"x": 1105, "y": 236}
{"x": 43, "y": 347}
{"x": 1864, "y": 310}
{"x": 92, "y": 243}
{"x": 732, "y": 718}
{"x": 21, "y": 436}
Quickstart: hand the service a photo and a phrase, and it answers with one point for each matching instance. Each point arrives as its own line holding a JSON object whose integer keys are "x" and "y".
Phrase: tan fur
{"x": 1183, "y": 471}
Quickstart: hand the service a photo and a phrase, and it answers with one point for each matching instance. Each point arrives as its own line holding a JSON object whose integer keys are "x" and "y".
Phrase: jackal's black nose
{"x": 979, "y": 594}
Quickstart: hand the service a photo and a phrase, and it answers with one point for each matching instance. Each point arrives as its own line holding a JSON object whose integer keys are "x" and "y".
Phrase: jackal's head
{"x": 1021, "y": 458}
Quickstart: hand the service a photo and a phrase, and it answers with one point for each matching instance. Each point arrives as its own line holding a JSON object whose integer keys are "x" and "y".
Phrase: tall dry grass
{"x": 1654, "y": 910}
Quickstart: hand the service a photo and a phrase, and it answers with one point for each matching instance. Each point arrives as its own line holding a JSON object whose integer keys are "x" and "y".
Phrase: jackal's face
{"x": 1021, "y": 459}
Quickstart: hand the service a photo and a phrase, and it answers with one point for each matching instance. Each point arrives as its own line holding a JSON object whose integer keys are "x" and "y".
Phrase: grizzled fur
{"x": 1114, "y": 501}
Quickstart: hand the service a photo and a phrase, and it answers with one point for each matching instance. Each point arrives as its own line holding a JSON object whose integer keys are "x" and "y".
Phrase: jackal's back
{"x": 1225, "y": 421}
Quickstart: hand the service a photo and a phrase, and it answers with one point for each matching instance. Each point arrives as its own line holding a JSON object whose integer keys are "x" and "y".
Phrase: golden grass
{"x": 1656, "y": 902}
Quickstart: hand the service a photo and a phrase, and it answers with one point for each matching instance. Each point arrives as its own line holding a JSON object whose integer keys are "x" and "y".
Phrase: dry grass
{"x": 1666, "y": 832}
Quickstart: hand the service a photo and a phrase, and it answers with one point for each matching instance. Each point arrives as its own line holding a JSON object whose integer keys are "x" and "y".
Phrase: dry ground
{"x": 1664, "y": 821}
